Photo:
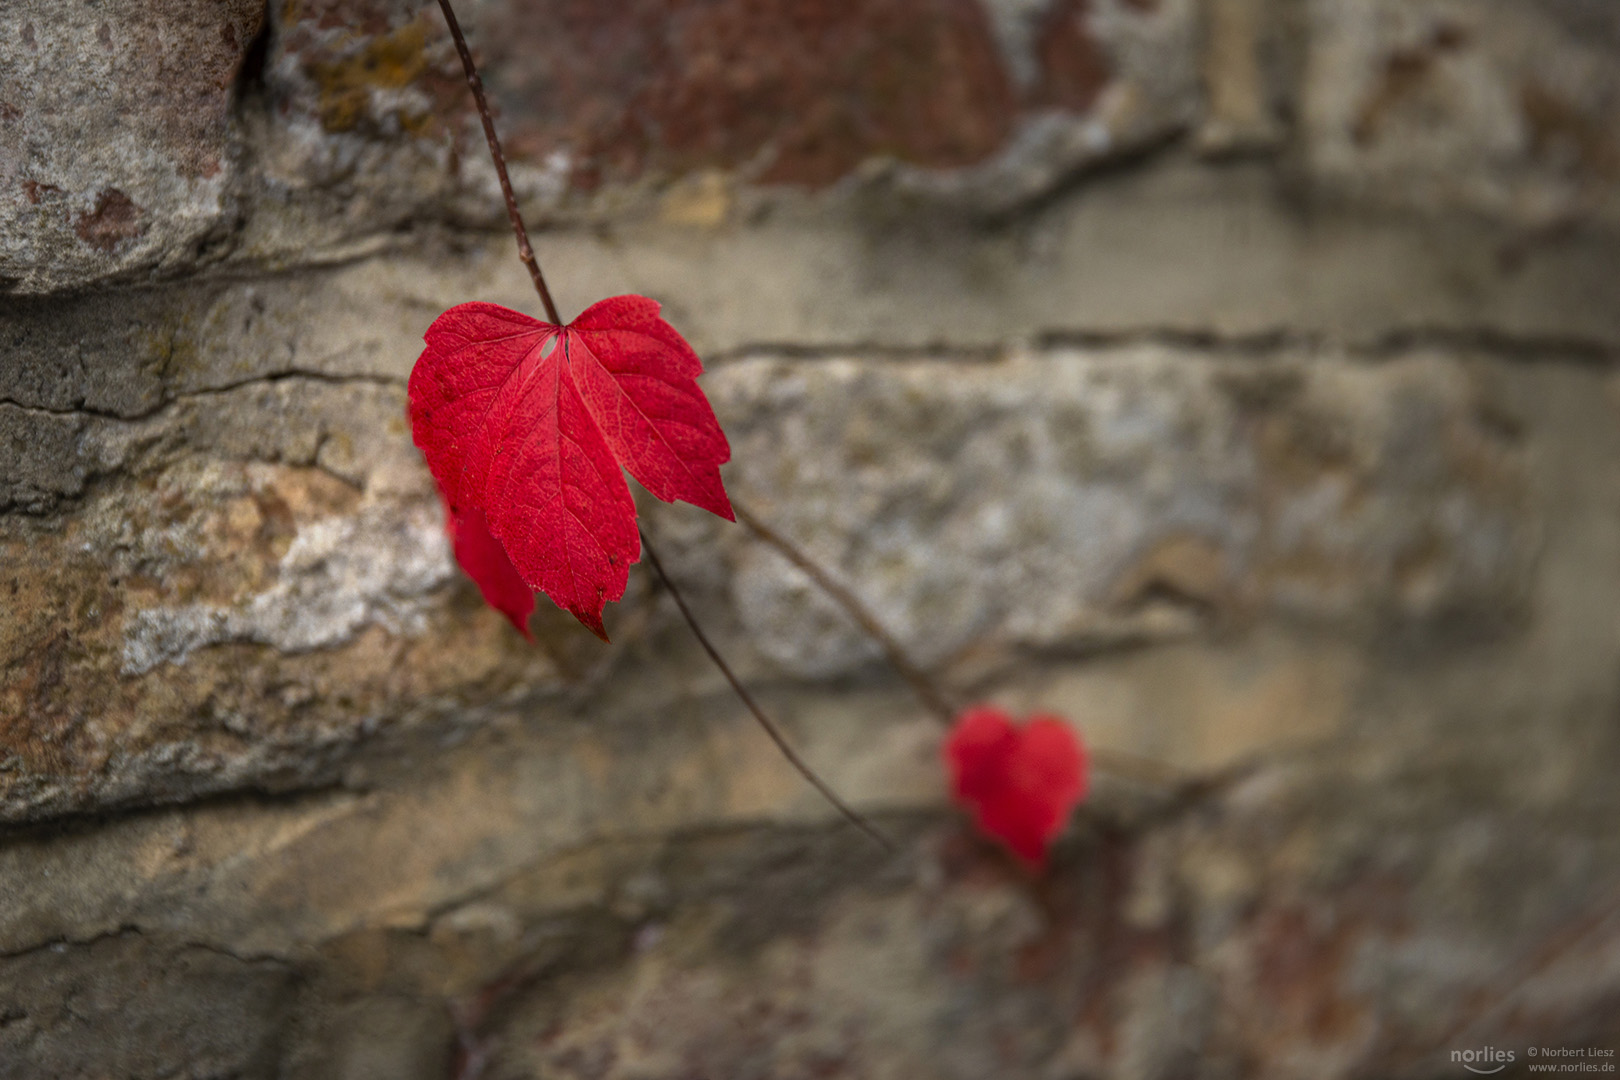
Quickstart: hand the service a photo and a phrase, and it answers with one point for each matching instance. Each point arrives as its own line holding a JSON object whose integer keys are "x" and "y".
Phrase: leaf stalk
{"x": 854, "y": 817}
{"x": 476, "y": 84}
{"x": 1134, "y": 767}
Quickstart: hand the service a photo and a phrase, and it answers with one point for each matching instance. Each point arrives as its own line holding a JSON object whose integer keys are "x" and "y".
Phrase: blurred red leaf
{"x": 485, "y": 561}
{"x": 1021, "y": 782}
{"x": 528, "y": 427}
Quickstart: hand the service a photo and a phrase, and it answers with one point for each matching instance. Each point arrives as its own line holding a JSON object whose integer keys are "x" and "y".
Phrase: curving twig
{"x": 1142, "y": 770}
{"x": 853, "y": 816}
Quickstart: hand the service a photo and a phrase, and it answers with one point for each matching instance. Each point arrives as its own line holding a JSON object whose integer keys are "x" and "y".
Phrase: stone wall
{"x": 1237, "y": 377}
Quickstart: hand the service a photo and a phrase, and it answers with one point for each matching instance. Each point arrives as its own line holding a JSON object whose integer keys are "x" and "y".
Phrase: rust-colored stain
{"x": 1405, "y": 72}
{"x": 1301, "y": 966}
{"x": 114, "y": 220}
{"x": 1304, "y": 956}
{"x": 781, "y": 91}
{"x": 1561, "y": 131}
{"x": 33, "y": 190}
{"x": 800, "y": 90}
{"x": 787, "y": 91}
{"x": 1074, "y": 69}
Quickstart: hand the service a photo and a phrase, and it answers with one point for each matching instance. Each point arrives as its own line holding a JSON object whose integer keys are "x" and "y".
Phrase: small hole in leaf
{"x": 550, "y": 345}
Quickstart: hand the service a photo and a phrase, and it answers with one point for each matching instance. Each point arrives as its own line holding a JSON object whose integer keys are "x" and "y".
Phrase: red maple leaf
{"x": 528, "y": 427}
{"x": 1020, "y": 782}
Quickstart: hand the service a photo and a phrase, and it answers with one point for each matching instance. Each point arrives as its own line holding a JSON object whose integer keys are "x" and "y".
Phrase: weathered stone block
{"x": 1068, "y": 499}
{"x": 119, "y": 154}
{"x": 233, "y": 587}
{"x": 983, "y": 105}
{"x": 132, "y": 1008}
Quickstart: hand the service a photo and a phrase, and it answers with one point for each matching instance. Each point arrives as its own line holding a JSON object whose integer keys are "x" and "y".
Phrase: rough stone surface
{"x": 139, "y": 1009}
{"x": 211, "y": 567}
{"x": 985, "y": 106}
{"x": 1281, "y": 456}
{"x": 1071, "y": 500}
{"x": 1509, "y": 107}
{"x": 118, "y": 147}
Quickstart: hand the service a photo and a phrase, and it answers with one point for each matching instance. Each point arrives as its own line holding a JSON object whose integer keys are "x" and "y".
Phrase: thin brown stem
{"x": 1142, "y": 770}
{"x": 747, "y": 699}
{"x": 476, "y": 84}
{"x": 1556, "y": 947}
{"x": 927, "y": 690}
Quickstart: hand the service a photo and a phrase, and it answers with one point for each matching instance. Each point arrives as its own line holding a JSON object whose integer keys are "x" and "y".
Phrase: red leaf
{"x": 530, "y": 424}
{"x": 1020, "y": 782}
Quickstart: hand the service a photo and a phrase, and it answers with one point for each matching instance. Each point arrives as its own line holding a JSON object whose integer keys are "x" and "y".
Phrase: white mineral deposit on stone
{"x": 339, "y": 575}
{"x": 1018, "y": 526}
{"x": 1014, "y": 23}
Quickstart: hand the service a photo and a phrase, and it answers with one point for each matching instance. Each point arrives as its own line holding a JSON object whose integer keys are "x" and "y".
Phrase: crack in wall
{"x": 1260, "y": 344}
{"x": 269, "y": 379}
{"x": 1521, "y": 348}
{"x": 134, "y": 930}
